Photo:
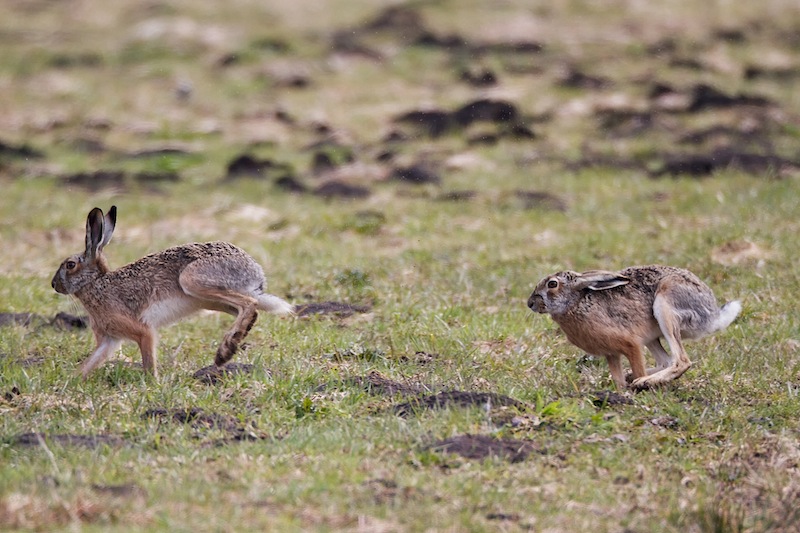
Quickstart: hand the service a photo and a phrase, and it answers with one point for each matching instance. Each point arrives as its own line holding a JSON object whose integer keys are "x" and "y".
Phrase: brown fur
{"x": 133, "y": 301}
{"x": 613, "y": 314}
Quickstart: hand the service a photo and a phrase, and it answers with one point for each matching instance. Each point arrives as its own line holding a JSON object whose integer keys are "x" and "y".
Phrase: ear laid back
{"x": 600, "y": 280}
{"x": 608, "y": 284}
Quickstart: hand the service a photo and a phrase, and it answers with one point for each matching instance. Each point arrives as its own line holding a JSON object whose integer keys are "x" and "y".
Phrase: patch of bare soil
{"x": 23, "y": 151}
{"x": 66, "y": 439}
{"x": 337, "y": 309}
{"x": 455, "y": 398}
{"x": 249, "y": 166}
{"x": 340, "y": 189}
{"x": 60, "y": 320}
{"x": 505, "y": 116}
{"x": 484, "y": 446}
{"x": 118, "y": 179}
{"x": 699, "y": 165}
{"x": 198, "y": 419}
{"x": 213, "y": 375}
{"x": 12, "y": 394}
{"x": 607, "y": 398}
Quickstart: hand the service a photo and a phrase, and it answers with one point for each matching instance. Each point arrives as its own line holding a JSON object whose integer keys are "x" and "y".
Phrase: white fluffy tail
{"x": 727, "y": 314}
{"x": 273, "y": 304}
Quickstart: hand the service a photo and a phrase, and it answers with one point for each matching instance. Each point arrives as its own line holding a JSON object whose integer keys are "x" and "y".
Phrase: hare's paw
{"x": 642, "y": 383}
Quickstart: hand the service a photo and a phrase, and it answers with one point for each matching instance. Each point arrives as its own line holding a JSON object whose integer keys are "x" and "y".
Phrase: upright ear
{"x": 600, "y": 280}
{"x": 109, "y": 222}
{"x": 94, "y": 233}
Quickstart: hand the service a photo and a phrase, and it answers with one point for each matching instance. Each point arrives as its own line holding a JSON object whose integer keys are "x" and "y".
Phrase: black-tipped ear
{"x": 109, "y": 223}
{"x": 600, "y": 280}
{"x": 94, "y": 233}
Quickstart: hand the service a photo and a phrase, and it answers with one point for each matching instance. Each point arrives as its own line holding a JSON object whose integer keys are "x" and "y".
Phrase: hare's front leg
{"x": 106, "y": 346}
{"x": 615, "y": 366}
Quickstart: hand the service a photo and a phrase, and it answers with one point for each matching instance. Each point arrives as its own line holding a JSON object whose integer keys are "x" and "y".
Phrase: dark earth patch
{"x": 436, "y": 122}
{"x": 699, "y": 165}
{"x": 117, "y": 179}
{"x": 704, "y": 96}
{"x": 339, "y": 189}
{"x": 290, "y": 184}
{"x": 455, "y": 398}
{"x": 577, "y": 79}
{"x": 213, "y": 375}
{"x": 86, "y": 441}
{"x": 607, "y": 398}
{"x": 249, "y": 166}
{"x": 338, "y": 309}
{"x": 19, "y": 151}
{"x": 416, "y": 174}
{"x": 67, "y": 321}
{"x": 61, "y": 320}
{"x": 484, "y": 446}
{"x": 503, "y": 517}
{"x": 11, "y": 394}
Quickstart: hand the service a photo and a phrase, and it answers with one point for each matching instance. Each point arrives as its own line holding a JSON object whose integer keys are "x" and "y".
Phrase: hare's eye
{"x": 71, "y": 265}
{"x": 552, "y": 284}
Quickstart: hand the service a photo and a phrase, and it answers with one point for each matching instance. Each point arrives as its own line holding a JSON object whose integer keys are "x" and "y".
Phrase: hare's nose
{"x": 536, "y": 303}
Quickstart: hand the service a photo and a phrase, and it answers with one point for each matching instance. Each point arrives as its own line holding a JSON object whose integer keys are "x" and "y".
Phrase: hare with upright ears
{"x": 612, "y": 314}
{"x": 136, "y": 299}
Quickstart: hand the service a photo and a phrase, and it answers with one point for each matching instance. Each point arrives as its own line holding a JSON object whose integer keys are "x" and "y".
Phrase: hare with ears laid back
{"x": 136, "y": 299}
{"x": 612, "y": 314}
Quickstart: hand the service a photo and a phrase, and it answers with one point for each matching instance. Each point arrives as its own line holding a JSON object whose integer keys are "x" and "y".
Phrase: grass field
{"x": 427, "y": 164}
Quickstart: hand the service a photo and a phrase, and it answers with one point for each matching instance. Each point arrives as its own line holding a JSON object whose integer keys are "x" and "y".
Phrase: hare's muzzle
{"x": 58, "y": 284}
{"x": 536, "y": 303}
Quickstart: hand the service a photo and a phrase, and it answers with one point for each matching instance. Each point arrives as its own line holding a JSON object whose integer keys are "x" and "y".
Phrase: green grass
{"x": 447, "y": 281}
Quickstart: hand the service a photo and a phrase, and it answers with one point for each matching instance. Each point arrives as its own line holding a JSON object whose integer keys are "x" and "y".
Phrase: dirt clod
{"x": 607, "y": 398}
{"x": 213, "y": 374}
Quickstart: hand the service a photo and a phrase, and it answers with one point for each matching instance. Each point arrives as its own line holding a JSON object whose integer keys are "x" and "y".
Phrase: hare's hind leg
{"x": 663, "y": 359}
{"x": 232, "y": 301}
{"x": 669, "y": 323}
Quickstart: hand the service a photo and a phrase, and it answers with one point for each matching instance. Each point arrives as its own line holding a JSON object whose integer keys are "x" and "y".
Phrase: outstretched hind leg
{"x": 244, "y": 306}
{"x": 670, "y": 326}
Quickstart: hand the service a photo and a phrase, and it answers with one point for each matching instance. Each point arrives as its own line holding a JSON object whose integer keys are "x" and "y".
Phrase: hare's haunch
{"x": 614, "y": 314}
{"x": 132, "y": 302}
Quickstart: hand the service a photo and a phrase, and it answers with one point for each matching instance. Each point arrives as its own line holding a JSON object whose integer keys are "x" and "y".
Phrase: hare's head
{"x": 76, "y": 271}
{"x": 557, "y": 293}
